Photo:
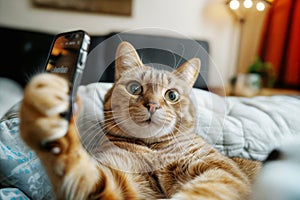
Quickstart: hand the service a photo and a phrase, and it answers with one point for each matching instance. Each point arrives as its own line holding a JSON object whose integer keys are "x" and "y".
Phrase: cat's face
{"x": 146, "y": 102}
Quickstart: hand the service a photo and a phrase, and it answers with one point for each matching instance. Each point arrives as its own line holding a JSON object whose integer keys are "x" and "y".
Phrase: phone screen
{"x": 65, "y": 54}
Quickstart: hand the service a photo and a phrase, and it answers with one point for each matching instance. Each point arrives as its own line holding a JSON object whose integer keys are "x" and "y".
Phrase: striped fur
{"x": 149, "y": 150}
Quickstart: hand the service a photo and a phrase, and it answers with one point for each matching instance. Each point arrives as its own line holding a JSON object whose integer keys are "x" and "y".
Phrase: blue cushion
{"x": 20, "y": 168}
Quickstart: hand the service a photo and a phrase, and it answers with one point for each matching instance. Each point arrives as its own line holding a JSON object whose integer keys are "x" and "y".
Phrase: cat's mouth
{"x": 152, "y": 121}
{"x": 148, "y": 121}
{"x": 146, "y": 118}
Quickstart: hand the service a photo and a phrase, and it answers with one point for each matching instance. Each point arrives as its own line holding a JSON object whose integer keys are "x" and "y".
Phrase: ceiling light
{"x": 248, "y": 3}
{"x": 234, "y": 4}
{"x": 260, "y": 6}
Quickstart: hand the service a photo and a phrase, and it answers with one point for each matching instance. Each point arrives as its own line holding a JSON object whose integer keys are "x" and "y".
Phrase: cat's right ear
{"x": 189, "y": 71}
{"x": 126, "y": 58}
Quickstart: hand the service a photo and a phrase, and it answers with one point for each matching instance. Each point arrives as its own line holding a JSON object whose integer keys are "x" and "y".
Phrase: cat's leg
{"x": 213, "y": 179}
{"x": 72, "y": 171}
{"x": 214, "y": 185}
{"x": 251, "y": 168}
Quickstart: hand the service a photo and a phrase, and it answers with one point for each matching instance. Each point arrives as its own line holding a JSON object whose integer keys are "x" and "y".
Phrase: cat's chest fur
{"x": 136, "y": 156}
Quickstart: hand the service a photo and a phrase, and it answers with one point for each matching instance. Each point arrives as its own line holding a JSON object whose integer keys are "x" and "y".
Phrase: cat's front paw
{"x": 46, "y": 97}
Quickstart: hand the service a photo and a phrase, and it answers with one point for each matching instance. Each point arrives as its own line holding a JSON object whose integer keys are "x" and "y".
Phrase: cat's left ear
{"x": 189, "y": 71}
{"x": 126, "y": 58}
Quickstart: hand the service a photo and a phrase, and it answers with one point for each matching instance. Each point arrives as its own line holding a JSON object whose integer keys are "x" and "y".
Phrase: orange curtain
{"x": 280, "y": 42}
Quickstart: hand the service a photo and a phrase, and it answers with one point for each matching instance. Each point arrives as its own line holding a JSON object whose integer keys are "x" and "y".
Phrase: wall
{"x": 250, "y": 41}
{"x": 197, "y": 19}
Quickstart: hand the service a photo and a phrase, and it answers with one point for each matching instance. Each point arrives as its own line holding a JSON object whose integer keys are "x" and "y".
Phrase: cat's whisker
{"x": 116, "y": 124}
{"x": 192, "y": 141}
{"x": 112, "y": 114}
{"x": 93, "y": 131}
{"x": 88, "y": 121}
{"x": 89, "y": 114}
{"x": 183, "y": 127}
{"x": 86, "y": 127}
{"x": 112, "y": 119}
{"x": 106, "y": 126}
{"x": 91, "y": 127}
{"x": 181, "y": 133}
{"x": 175, "y": 137}
{"x": 116, "y": 111}
{"x": 173, "y": 134}
{"x": 86, "y": 137}
{"x": 94, "y": 142}
{"x": 90, "y": 124}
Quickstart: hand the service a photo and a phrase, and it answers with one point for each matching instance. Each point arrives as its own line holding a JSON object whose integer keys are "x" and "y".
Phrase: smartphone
{"x": 67, "y": 59}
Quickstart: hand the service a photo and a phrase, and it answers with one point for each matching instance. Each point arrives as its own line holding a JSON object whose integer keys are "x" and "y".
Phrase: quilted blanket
{"x": 244, "y": 127}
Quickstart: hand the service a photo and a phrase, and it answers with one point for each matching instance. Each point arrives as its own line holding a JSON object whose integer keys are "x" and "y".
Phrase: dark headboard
{"x": 29, "y": 51}
{"x": 23, "y": 54}
{"x": 153, "y": 50}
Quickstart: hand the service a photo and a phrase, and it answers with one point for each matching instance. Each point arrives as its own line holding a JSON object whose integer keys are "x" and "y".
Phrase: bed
{"x": 244, "y": 127}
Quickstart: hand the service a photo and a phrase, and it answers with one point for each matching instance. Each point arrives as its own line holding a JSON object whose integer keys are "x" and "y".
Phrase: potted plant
{"x": 265, "y": 70}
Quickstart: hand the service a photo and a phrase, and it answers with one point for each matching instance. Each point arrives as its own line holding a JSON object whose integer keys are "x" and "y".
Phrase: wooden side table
{"x": 276, "y": 91}
{"x": 262, "y": 92}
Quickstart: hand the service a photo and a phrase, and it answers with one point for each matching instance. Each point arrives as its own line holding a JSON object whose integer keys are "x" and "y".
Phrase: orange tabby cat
{"x": 150, "y": 149}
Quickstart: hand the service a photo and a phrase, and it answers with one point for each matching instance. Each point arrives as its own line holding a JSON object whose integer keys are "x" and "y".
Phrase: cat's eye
{"x": 134, "y": 88}
{"x": 172, "y": 95}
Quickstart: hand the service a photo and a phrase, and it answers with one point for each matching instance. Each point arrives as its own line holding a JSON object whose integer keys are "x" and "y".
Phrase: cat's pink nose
{"x": 152, "y": 107}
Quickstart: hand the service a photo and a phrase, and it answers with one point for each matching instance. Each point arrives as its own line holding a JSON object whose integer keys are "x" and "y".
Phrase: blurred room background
{"x": 244, "y": 36}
